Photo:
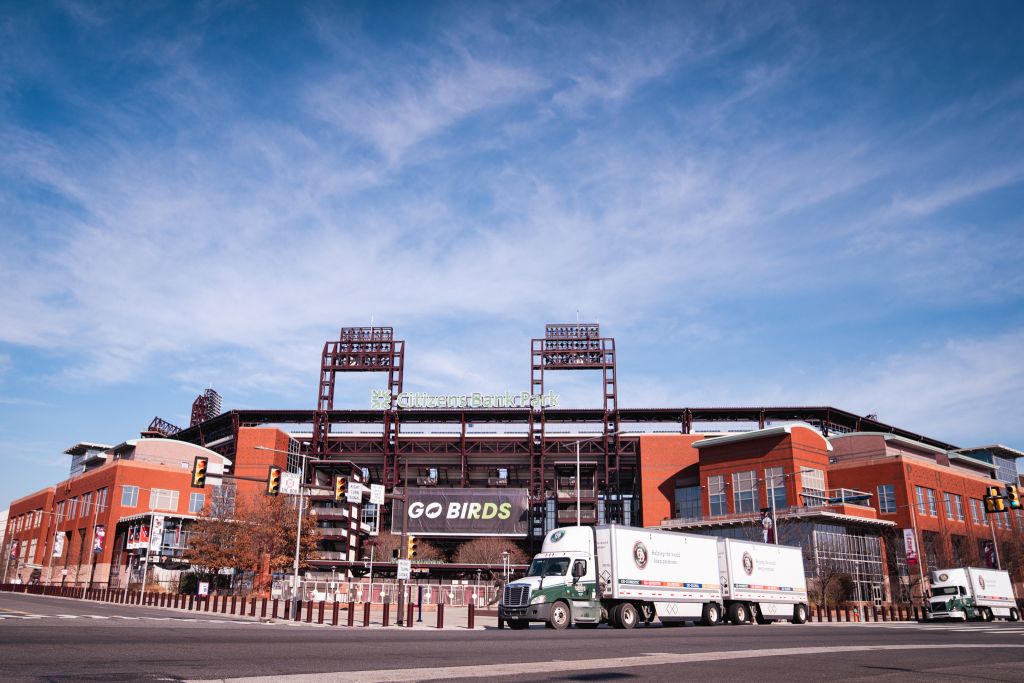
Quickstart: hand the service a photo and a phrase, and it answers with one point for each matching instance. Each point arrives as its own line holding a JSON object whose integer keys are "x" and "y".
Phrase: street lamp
{"x": 578, "y": 442}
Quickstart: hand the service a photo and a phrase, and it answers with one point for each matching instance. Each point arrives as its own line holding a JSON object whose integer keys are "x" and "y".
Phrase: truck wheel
{"x": 799, "y": 614}
{"x": 518, "y": 624}
{"x": 986, "y": 614}
{"x": 625, "y": 615}
{"x": 560, "y": 617}
{"x": 738, "y": 613}
{"x": 712, "y": 614}
{"x": 1014, "y": 616}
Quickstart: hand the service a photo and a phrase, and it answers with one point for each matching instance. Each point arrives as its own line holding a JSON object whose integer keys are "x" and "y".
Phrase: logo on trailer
{"x": 557, "y": 536}
{"x": 943, "y": 577}
{"x": 981, "y": 582}
{"x": 640, "y": 554}
{"x": 748, "y": 564}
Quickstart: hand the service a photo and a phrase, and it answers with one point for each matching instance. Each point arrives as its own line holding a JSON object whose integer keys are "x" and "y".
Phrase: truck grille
{"x": 516, "y": 596}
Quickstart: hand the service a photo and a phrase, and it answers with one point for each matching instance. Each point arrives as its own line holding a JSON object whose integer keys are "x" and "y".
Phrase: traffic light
{"x": 273, "y": 481}
{"x": 993, "y": 501}
{"x": 199, "y": 472}
{"x": 410, "y": 547}
{"x": 339, "y": 488}
{"x": 1012, "y": 497}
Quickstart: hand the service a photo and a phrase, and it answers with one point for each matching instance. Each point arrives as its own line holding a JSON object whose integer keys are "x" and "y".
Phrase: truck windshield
{"x": 549, "y": 566}
{"x": 945, "y": 590}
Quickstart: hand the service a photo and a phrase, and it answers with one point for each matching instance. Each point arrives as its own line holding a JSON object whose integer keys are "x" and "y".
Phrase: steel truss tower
{"x": 576, "y": 346}
{"x": 361, "y": 349}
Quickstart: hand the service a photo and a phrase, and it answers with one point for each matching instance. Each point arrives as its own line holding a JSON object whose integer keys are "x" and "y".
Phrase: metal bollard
{"x": 387, "y": 608}
{"x": 263, "y": 608}
{"x": 366, "y": 614}
{"x": 351, "y": 619}
{"x": 440, "y": 615}
{"x": 216, "y": 599}
{"x": 334, "y": 614}
{"x": 469, "y": 617}
{"x": 252, "y": 609}
{"x": 309, "y": 611}
{"x": 320, "y": 613}
{"x": 234, "y": 604}
{"x": 223, "y": 605}
{"x": 298, "y": 611}
{"x": 847, "y": 614}
{"x": 408, "y": 614}
{"x": 274, "y": 614}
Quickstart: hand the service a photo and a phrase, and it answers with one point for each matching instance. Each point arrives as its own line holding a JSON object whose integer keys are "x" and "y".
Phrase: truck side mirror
{"x": 578, "y": 570}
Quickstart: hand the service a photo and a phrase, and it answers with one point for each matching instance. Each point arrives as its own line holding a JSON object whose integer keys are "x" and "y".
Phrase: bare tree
{"x": 387, "y": 543}
{"x": 489, "y": 550}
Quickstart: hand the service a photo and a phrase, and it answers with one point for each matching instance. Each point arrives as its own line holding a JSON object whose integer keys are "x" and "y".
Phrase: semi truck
{"x": 972, "y": 593}
{"x": 623, "y": 576}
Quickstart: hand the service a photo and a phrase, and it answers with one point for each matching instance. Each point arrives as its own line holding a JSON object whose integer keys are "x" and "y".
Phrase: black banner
{"x": 464, "y": 512}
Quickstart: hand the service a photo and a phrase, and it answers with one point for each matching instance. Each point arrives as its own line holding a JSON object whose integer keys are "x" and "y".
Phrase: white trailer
{"x": 762, "y": 582}
{"x": 664, "y": 573}
{"x": 972, "y": 593}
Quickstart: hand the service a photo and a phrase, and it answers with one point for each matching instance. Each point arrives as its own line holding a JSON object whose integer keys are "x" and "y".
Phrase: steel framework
{"x": 206, "y": 406}
{"x": 577, "y": 346}
{"x": 361, "y": 349}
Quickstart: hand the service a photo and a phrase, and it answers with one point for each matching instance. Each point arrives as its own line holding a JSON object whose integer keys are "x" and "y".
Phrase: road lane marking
{"x": 553, "y": 667}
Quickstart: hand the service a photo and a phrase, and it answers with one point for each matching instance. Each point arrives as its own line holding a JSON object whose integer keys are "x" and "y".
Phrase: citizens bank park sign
{"x": 380, "y": 399}
{"x": 464, "y": 512}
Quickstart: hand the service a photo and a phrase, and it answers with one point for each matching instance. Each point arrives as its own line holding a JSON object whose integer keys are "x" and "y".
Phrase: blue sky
{"x": 764, "y": 203}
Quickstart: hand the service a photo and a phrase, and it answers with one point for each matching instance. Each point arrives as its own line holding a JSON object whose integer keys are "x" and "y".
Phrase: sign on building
{"x": 910, "y": 547}
{"x": 464, "y": 512}
{"x": 58, "y": 544}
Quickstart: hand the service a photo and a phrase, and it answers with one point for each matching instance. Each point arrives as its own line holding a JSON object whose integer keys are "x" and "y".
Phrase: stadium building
{"x": 845, "y": 487}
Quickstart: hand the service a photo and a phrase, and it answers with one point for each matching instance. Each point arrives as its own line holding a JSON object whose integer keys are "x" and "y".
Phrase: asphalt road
{"x": 52, "y": 639}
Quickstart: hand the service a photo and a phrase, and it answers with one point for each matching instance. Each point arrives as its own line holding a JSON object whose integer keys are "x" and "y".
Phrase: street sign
{"x": 354, "y": 492}
{"x": 290, "y": 483}
{"x": 377, "y": 494}
{"x": 404, "y": 569}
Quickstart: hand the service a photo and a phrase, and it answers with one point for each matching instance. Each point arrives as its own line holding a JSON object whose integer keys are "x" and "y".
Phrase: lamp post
{"x": 578, "y": 503}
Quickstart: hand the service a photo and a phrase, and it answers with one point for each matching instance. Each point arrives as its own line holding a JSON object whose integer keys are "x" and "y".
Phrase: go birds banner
{"x": 464, "y": 512}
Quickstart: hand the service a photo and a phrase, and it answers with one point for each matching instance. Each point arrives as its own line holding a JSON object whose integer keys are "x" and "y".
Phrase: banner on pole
{"x": 464, "y": 512}
{"x": 910, "y": 547}
{"x": 58, "y": 544}
{"x": 156, "y": 536}
{"x": 99, "y": 535}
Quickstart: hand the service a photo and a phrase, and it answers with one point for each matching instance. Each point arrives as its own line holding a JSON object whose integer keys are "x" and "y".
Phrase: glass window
{"x": 813, "y": 486}
{"x": 72, "y": 508}
{"x": 716, "y": 494}
{"x": 775, "y": 487}
{"x": 87, "y": 505}
{"x": 129, "y": 497}
{"x": 101, "y": 499}
{"x": 947, "y": 498}
{"x": 196, "y": 502}
{"x": 926, "y": 501}
{"x": 958, "y": 507}
{"x": 744, "y": 491}
{"x": 688, "y": 502}
{"x": 886, "y": 498}
{"x": 163, "y": 499}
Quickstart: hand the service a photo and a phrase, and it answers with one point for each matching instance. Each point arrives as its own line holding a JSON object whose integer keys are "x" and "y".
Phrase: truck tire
{"x": 800, "y": 614}
{"x": 1014, "y": 615}
{"x": 739, "y": 613}
{"x": 711, "y": 615}
{"x": 985, "y": 614}
{"x": 626, "y": 615}
{"x": 560, "y": 616}
{"x": 518, "y": 624}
